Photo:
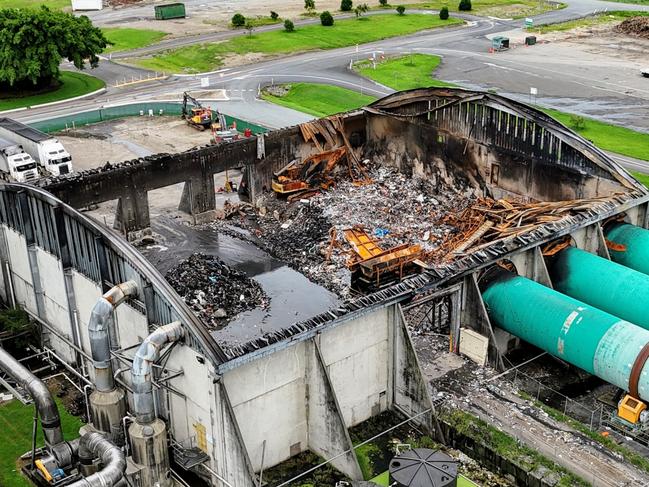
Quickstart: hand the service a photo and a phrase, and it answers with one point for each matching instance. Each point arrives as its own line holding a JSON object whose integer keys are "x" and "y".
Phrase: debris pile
{"x": 635, "y": 26}
{"x": 488, "y": 220}
{"x": 213, "y": 290}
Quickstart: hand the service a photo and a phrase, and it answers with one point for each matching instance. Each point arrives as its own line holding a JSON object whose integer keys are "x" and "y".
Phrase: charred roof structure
{"x": 240, "y": 408}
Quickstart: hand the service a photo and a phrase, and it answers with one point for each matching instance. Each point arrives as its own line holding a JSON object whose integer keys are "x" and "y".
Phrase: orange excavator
{"x": 197, "y": 116}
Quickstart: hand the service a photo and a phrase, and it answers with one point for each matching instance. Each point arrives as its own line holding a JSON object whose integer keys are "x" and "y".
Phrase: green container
{"x": 611, "y": 287}
{"x": 589, "y": 338}
{"x": 633, "y": 246}
{"x": 170, "y": 11}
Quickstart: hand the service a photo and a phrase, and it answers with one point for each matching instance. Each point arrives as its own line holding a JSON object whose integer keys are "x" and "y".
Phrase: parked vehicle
{"x": 16, "y": 164}
{"x": 48, "y": 152}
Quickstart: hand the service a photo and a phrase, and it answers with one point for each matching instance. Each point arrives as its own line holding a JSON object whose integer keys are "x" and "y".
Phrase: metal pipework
{"x": 94, "y": 445}
{"x": 628, "y": 245}
{"x": 47, "y": 409}
{"x": 101, "y": 322}
{"x": 606, "y": 285}
{"x": 141, "y": 373}
{"x": 591, "y": 339}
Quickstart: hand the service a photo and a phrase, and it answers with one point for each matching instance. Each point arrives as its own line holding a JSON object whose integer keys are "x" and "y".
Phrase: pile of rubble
{"x": 393, "y": 209}
{"x": 213, "y": 290}
{"x": 635, "y": 26}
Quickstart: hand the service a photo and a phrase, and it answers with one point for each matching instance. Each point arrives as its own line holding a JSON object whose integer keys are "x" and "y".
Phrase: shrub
{"x": 249, "y": 27}
{"x": 361, "y": 9}
{"x": 289, "y": 26}
{"x": 401, "y": 9}
{"x": 326, "y": 18}
{"x": 577, "y": 122}
{"x": 465, "y": 5}
{"x": 274, "y": 15}
{"x": 346, "y": 5}
{"x": 383, "y": 3}
{"x": 309, "y": 5}
{"x": 238, "y": 20}
{"x": 443, "y": 13}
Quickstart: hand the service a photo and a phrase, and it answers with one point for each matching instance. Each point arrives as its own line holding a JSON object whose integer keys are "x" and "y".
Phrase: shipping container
{"x": 170, "y": 11}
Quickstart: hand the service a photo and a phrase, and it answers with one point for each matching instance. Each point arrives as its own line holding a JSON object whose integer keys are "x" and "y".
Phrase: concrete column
{"x": 198, "y": 198}
{"x": 411, "y": 390}
{"x": 531, "y": 264}
{"x": 591, "y": 239}
{"x": 328, "y": 435}
{"x": 132, "y": 215}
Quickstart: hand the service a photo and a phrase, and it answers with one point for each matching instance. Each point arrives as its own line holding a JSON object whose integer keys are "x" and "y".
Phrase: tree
{"x": 401, "y": 9}
{"x": 33, "y": 42}
{"x": 238, "y": 20}
{"x": 465, "y": 5}
{"x": 361, "y": 9}
{"x": 309, "y": 6}
{"x": 383, "y": 3}
{"x": 249, "y": 27}
{"x": 443, "y": 13}
{"x": 289, "y": 26}
{"x": 274, "y": 15}
{"x": 326, "y": 18}
{"x": 577, "y": 122}
{"x": 346, "y": 5}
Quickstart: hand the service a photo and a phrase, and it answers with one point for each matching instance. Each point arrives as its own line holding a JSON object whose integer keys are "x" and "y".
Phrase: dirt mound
{"x": 635, "y": 26}
{"x": 215, "y": 291}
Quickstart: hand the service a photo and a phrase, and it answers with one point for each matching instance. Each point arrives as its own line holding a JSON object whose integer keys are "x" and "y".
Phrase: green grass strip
{"x": 207, "y": 57}
{"x": 496, "y": 8}
{"x": 73, "y": 84}
{"x": 591, "y": 21}
{"x": 16, "y": 438}
{"x": 404, "y": 72}
{"x": 125, "y": 39}
{"x": 320, "y": 100}
{"x": 51, "y": 4}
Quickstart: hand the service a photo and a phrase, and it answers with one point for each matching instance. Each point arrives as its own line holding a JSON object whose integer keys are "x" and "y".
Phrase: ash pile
{"x": 393, "y": 209}
{"x": 215, "y": 291}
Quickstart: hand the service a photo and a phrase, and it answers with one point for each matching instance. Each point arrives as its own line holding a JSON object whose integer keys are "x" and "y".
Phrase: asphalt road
{"x": 582, "y": 89}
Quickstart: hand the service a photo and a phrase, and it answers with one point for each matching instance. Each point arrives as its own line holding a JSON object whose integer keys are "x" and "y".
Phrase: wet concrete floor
{"x": 293, "y": 297}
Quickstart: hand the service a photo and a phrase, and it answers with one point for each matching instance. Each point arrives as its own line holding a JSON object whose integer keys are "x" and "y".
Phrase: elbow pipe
{"x": 47, "y": 409}
{"x": 141, "y": 373}
{"x": 112, "y": 457}
{"x": 99, "y": 327}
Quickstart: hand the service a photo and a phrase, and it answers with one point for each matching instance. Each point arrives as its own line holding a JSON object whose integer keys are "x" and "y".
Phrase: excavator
{"x": 200, "y": 117}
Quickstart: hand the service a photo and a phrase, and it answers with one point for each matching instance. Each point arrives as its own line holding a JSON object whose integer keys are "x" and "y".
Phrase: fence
{"x": 154, "y": 108}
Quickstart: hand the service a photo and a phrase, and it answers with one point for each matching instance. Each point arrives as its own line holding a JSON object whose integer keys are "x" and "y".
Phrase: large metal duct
{"x": 47, "y": 409}
{"x": 148, "y": 434}
{"x": 141, "y": 373}
{"x": 99, "y": 327}
{"x": 112, "y": 458}
{"x": 606, "y": 285}
{"x": 591, "y": 339}
{"x": 629, "y": 245}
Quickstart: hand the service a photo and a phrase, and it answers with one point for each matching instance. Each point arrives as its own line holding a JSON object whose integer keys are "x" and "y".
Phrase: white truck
{"x": 48, "y": 152}
{"x": 16, "y": 164}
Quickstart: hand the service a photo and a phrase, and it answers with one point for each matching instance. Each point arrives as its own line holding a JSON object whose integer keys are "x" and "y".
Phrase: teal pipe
{"x": 591, "y": 339}
{"x": 606, "y": 285}
{"x": 636, "y": 243}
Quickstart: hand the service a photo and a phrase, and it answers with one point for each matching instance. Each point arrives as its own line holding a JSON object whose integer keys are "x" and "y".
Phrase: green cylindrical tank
{"x": 633, "y": 245}
{"x": 606, "y": 285}
{"x": 586, "y": 337}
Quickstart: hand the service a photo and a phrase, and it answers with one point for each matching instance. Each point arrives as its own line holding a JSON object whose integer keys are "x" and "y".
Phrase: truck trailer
{"x": 48, "y": 152}
{"x": 16, "y": 164}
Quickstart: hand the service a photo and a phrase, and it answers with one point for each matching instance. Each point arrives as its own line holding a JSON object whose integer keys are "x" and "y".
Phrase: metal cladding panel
{"x": 558, "y": 324}
{"x": 636, "y": 243}
{"x": 611, "y": 287}
{"x": 617, "y": 353}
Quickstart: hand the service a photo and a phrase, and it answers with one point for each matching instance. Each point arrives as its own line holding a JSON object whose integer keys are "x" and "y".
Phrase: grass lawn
{"x": 207, "y": 57}
{"x": 495, "y": 8}
{"x": 52, "y": 4}
{"x": 404, "y": 72}
{"x": 320, "y": 100}
{"x": 127, "y": 39}
{"x": 74, "y": 84}
{"x": 591, "y": 21}
{"x": 608, "y": 137}
{"x": 384, "y": 480}
{"x": 637, "y": 2}
{"x": 16, "y": 438}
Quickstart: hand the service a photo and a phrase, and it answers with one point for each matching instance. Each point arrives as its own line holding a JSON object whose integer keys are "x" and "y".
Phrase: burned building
{"x": 495, "y": 181}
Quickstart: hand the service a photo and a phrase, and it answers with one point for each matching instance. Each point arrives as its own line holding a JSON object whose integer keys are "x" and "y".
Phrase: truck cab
{"x": 55, "y": 159}
{"x": 17, "y": 164}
